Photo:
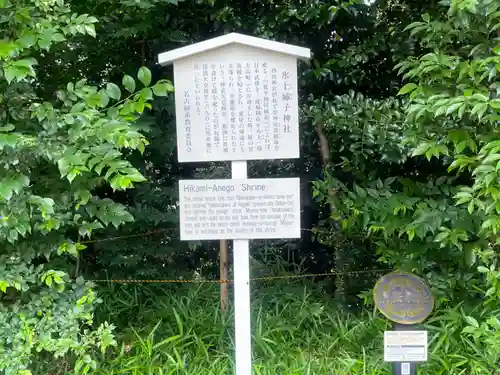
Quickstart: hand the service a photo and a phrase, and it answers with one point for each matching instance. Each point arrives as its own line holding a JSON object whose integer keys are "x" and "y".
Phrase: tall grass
{"x": 182, "y": 331}
{"x": 297, "y": 330}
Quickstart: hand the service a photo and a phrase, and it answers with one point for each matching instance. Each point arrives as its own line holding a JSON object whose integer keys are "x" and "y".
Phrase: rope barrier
{"x": 145, "y": 234}
{"x": 259, "y": 278}
{"x": 202, "y": 281}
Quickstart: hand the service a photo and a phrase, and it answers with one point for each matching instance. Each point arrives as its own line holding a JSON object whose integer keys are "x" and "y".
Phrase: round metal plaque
{"x": 403, "y": 298}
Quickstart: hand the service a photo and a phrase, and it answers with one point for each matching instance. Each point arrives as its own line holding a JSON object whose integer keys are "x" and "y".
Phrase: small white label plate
{"x": 405, "y": 346}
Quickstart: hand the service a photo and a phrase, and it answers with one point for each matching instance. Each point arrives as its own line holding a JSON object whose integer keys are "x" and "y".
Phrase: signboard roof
{"x": 233, "y": 38}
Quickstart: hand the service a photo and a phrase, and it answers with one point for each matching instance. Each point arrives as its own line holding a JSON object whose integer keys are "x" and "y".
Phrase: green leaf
{"x": 58, "y": 37}
{"x": 360, "y": 191}
{"x": 129, "y": 83}
{"x": 470, "y": 207}
{"x": 469, "y": 329}
{"x": 144, "y": 75}
{"x": 453, "y": 108}
{"x": 113, "y": 91}
{"x": 414, "y": 25}
{"x": 44, "y": 43}
{"x": 58, "y": 279}
{"x": 409, "y": 87}
{"x": 7, "y": 48}
{"x": 28, "y": 39}
{"x": 442, "y": 236}
{"x": 134, "y": 175}
{"x": 459, "y": 147}
{"x": 146, "y": 94}
{"x": 139, "y": 107}
{"x": 112, "y": 112}
{"x": 80, "y": 83}
{"x": 104, "y": 98}
{"x": 484, "y": 169}
{"x": 19, "y": 70}
{"x": 5, "y": 191}
{"x": 90, "y": 29}
{"x": 78, "y": 366}
{"x": 495, "y": 104}
{"x": 490, "y": 223}
{"x": 60, "y": 287}
{"x": 483, "y": 269}
{"x": 7, "y": 128}
{"x": 479, "y": 109}
{"x": 472, "y": 321}
{"x": 491, "y": 158}
{"x": 162, "y": 88}
{"x": 421, "y": 149}
{"x": 411, "y": 233}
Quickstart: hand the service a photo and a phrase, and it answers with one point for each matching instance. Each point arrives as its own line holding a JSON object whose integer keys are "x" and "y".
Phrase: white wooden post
{"x": 242, "y": 308}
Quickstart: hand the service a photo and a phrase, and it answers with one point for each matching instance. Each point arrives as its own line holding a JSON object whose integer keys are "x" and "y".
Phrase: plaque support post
{"x": 404, "y": 368}
{"x": 241, "y": 267}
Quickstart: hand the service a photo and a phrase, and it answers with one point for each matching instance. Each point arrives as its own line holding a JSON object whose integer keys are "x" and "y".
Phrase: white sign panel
{"x": 405, "y": 346}
{"x": 239, "y": 209}
{"x": 236, "y": 103}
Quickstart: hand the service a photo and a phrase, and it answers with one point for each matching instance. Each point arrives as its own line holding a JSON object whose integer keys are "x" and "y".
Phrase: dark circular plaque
{"x": 403, "y": 298}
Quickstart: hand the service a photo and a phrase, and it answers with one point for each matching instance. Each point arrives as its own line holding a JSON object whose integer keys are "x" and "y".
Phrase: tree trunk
{"x": 223, "y": 274}
{"x": 339, "y": 281}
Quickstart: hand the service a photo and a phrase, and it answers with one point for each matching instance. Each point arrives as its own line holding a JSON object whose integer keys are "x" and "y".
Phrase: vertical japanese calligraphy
{"x": 232, "y": 106}
{"x": 286, "y": 97}
{"x": 223, "y": 107}
{"x": 215, "y": 108}
{"x": 266, "y": 107}
{"x": 241, "y": 108}
{"x": 187, "y": 121}
{"x": 244, "y": 110}
{"x": 274, "y": 106}
{"x": 249, "y": 107}
{"x": 258, "y": 107}
{"x": 197, "y": 89}
{"x": 207, "y": 116}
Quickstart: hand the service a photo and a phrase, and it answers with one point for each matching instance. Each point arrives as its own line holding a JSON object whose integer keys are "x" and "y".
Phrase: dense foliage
{"x": 400, "y": 161}
{"x": 437, "y": 212}
{"x": 55, "y": 151}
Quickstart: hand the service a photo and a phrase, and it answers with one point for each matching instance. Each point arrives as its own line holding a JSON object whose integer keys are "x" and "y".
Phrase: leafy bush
{"x": 435, "y": 208}
{"x": 55, "y": 150}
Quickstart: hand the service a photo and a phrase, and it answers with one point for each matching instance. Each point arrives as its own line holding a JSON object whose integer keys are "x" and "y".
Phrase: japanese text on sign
{"x": 248, "y": 111}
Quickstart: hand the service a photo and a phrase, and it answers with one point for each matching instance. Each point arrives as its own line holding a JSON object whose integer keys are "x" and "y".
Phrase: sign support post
{"x": 404, "y": 368}
{"x": 241, "y": 265}
{"x": 405, "y": 299}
